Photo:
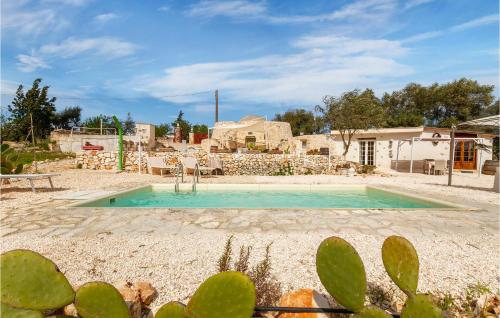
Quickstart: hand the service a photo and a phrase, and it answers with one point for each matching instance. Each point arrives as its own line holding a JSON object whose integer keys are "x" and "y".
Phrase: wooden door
{"x": 465, "y": 155}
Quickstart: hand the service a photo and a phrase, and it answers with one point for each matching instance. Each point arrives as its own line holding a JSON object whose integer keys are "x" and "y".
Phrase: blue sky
{"x": 154, "y": 58}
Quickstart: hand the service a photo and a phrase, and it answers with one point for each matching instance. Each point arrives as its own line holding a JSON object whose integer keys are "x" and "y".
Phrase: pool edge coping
{"x": 448, "y": 206}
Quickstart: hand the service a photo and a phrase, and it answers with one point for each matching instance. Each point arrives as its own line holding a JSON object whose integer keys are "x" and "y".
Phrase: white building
{"x": 379, "y": 147}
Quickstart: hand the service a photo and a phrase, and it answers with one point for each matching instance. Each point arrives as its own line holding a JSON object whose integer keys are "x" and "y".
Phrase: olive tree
{"x": 352, "y": 111}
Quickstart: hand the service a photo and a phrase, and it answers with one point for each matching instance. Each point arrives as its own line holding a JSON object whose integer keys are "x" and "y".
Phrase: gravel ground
{"x": 177, "y": 264}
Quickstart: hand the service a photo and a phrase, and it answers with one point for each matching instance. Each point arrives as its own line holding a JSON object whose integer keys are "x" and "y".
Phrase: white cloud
{"x": 30, "y": 63}
{"x": 164, "y": 8}
{"x": 68, "y": 2}
{"x": 107, "y": 47}
{"x": 233, "y": 8}
{"x": 489, "y": 19}
{"x": 328, "y": 67}
{"x": 414, "y": 3}
{"x": 105, "y": 17}
{"x": 29, "y": 22}
{"x": 475, "y": 23}
{"x": 245, "y": 10}
{"x": 8, "y": 87}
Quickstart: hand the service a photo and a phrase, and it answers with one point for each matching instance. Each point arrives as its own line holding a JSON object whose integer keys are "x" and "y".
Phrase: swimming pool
{"x": 264, "y": 196}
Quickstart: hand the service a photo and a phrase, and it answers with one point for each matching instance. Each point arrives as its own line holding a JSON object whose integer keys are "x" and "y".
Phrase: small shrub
{"x": 267, "y": 288}
{"x": 79, "y": 166}
{"x": 446, "y": 302}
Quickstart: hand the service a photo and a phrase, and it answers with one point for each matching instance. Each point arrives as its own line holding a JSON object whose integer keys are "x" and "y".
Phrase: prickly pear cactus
{"x": 372, "y": 312}
{"x": 100, "y": 300}
{"x": 172, "y": 309}
{"x": 401, "y": 263}
{"x": 31, "y": 281}
{"x": 420, "y": 306}
{"x": 342, "y": 272}
{"x": 224, "y": 295}
{"x": 7, "y": 311}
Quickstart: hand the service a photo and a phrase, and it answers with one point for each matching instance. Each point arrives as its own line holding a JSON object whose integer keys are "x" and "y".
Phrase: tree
{"x": 407, "y": 107}
{"x": 95, "y": 122}
{"x": 184, "y": 124}
{"x": 351, "y": 112}
{"x": 36, "y": 104}
{"x": 128, "y": 125}
{"x": 458, "y": 101}
{"x": 67, "y": 118}
{"x": 200, "y": 129}
{"x": 493, "y": 109}
{"x": 301, "y": 121}
{"x": 162, "y": 130}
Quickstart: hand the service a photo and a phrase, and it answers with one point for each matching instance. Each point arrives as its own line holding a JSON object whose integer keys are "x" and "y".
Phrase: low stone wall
{"x": 233, "y": 164}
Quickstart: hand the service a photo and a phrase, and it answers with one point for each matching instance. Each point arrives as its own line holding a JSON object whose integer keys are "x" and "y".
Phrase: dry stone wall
{"x": 233, "y": 164}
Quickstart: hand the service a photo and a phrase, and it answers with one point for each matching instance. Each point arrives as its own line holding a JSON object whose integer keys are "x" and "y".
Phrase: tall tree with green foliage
{"x": 129, "y": 125}
{"x": 457, "y": 101}
{"x": 95, "y": 122}
{"x": 200, "y": 129}
{"x": 67, "y": 118}
{"x": 162, "y": 130}
{"x": 406, "y": 107}
{"x": 183, "y": 124}
{"x": 352, "y": 111}
{"x": 301, "y": 121}
{"x": 36, "y": 103}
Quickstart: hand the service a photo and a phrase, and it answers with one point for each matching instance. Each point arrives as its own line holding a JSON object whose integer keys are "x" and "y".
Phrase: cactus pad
{"x": 172, "y": 309}
{"x": 401, "y": 263}
{"x": 224, "y": 295}
{"x": 420, "y": 306}
{"x": 342, "y": 272}
{"x": 31, "y": 281}
{"x": 7, "y": 311}
{"x": 100, "y": 300}
{"x": 372, "y": 312}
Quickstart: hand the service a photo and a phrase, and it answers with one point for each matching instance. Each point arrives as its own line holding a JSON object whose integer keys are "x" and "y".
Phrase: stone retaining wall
{"x": 233, "y": 164}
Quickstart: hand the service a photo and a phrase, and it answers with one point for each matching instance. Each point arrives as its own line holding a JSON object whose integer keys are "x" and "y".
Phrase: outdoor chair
{"x": 30, "y": 178}
{"x": 192, "y": 163}
{"x": 440, "y": 165}
{"x": 159, "y": 163}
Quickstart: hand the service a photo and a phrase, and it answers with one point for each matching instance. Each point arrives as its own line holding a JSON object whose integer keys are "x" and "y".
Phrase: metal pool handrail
{"x": 180, "y": 171}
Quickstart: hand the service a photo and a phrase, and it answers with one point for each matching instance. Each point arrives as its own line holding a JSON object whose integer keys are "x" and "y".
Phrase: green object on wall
{"x": 120, "y": 143}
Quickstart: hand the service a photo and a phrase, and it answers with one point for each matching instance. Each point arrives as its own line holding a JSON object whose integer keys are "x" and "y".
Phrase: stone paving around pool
{"x": 55, "y": 218}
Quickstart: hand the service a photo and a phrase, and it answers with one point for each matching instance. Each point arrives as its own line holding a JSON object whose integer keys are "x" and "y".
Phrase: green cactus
{"x": 401, "y": 263}
{"x": 372, "y": 312}
{"x": 7, "y": 311}
{"x": 420, "y": 306}
{"x": 224, "y": 295}
{"x": 9, "y": 164}
{"x": 342, "y": 272}
{"x": 31, "y": 281}
{"x": 172, "y": 309}
{"x": 100, "y": 300}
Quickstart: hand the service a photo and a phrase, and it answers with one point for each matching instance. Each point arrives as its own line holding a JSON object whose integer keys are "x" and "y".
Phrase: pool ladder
{"x": 180, "y": 174}
{"x": 196, "y": 177}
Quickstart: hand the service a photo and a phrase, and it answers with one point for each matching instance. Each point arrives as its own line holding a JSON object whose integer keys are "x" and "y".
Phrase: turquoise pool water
{"x": 335, "y": 198}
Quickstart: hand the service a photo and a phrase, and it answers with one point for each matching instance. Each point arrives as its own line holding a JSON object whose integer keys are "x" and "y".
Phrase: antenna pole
{"x": 216, "y": 105}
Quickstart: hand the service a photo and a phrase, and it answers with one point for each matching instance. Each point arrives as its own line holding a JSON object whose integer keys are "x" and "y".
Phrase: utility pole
{"x": 216, "y": 105}
{"x": 33, "y": 142}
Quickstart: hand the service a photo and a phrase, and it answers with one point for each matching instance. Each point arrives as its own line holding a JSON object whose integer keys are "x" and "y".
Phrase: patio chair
{"x": 30, "y": 178}
{"x": 192, "y": 163}
{"x": 159, "y": 163}
{"x": 216, "y": 164}
{"x": 440, "y": 165}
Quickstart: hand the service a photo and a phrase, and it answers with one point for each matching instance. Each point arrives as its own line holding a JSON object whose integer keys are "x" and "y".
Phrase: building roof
{"x": 386, "y": 130}
{"x": 492, "y": 122}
